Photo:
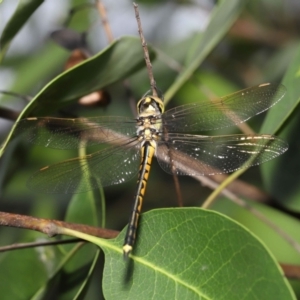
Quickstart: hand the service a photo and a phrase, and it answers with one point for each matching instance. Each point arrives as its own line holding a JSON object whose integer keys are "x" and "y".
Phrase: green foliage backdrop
{"x": 189, "y": 253}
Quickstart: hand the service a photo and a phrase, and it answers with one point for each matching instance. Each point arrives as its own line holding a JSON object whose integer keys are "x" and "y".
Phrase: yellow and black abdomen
{"x": 147, "y": 152}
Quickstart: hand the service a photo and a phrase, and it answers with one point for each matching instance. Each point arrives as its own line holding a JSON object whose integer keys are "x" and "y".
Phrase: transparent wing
{"x": 205, "y": 155}
{"x": 110, "y": 166}
{"x": 229, "y": 110}
{"x": 61, "y": 133}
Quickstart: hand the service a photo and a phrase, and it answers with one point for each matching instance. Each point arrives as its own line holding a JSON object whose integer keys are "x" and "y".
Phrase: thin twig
{"x": 178, "y": 190}
{"x": 8, "y": 114}
{"x": 52, "y": 227}
{"x": 26, "y": 98}
{"x": 146, "y": 53}
{"x": 291, "y": 271}
{"x": 20, "y": 246}
{"x": 153, "y": 86}
{"x": 104, "y": 19}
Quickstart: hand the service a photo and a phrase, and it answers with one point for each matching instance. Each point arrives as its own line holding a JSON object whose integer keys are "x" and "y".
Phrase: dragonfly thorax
{"x": 148, "y": 129}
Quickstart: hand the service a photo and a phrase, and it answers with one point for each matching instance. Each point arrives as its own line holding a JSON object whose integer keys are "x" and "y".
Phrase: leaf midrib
{"x": 142, "y": 261}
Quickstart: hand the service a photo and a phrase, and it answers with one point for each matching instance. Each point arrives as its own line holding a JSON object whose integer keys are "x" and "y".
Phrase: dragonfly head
{"x": 150, "y": 105}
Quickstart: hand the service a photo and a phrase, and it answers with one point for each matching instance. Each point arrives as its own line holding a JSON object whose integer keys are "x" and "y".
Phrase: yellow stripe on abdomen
{"x": 147, "y": 152}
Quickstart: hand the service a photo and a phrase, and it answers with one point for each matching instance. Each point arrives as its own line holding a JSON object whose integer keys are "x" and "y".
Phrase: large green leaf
{"x": 116, "y": 62}
{"x": 35, "y": 70}
{"x": 24, "y": 11}
{"x": 192, "y": 254}
{"x": 221, "y": 20}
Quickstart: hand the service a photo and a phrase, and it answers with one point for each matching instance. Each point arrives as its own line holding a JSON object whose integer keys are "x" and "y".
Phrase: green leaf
{"x": 112, "y": 64}
{"x": 281, "y": 248}
{"x": 77, "y": 269}
{"x": 35, "y": 70}
{"x": 278, "y": 114}
{"x": 281, "y": 175}
{"x": 74, "y": 281}
{"x": 222, "y": 19}
{"x": 24, "y": 11}
{"x": 33, "y": 263}
{"x": 82, "y": 209}
{"x": 192, "y": 254}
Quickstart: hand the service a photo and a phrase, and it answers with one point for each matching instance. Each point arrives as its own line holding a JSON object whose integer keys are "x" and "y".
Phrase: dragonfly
{"x": 129, "y": 144}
